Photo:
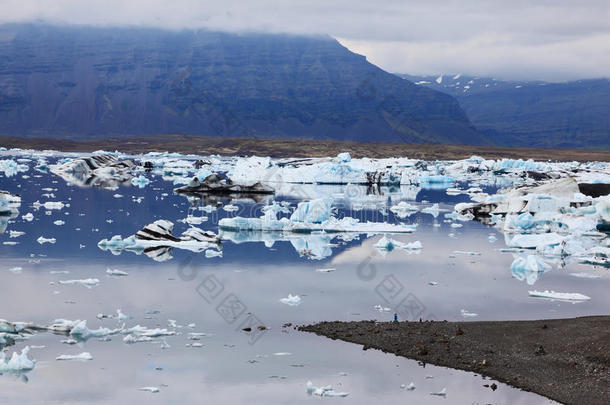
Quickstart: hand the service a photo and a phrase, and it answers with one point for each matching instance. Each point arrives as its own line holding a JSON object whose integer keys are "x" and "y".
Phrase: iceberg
{"x": 18, "y": 363}
{"x": 99, "y": 170}
{"x": 386, "y": 244}
{"x": 529, "y": 268}
{"x": 157, "y": 239}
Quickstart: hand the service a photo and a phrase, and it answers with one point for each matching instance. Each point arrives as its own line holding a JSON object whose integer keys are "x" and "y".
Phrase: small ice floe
{"x": 409, "y": 387}
{"x": 140, "y": 181}
{"x": 404, "y": 209}
{"x": 328, "y": 270}
{"x": 84, "y": 356}
{"x": 59, "y": 272}
{"x": 468, "y": 314}
{"x": 386, "y": 244}
{"x": 292, "y": 300}
{"x": 16, "y": 270}
{"x": 585, "y": 275}
{"x": 18, "y": 363}
{"x": 381, "y": 308}
{"x": 42, "y": 240}
{"x": 432, "y": 283}
{"x": 461, "y": 252}
{"x": 230, "y": 208}
{"x": 492, "y": 238}
{"x": 120, "y": 316}
{"x": 213, "y": 253}
{"x": 432, "y": 210}
{"x": 59, "y": 222}
{"x": 118, "y": 195}
{"x": 116, "y": 272}
{"x": 49, "y": 205}
{"x": 441, "y": 393}
{"x": 78, "y": 329}
{"x": 154, "y": 390}
{"x": 28, "y": 217}
{"x": 529, "y": 268}
{"x": 15, "y": 234}
{"x": 326, "y": 391}
{"x": 87, "y": 282}
{"x": 559, "y": 295}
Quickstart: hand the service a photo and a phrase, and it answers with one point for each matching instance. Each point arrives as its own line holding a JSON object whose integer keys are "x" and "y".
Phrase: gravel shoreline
{"x": 567, "y": 360}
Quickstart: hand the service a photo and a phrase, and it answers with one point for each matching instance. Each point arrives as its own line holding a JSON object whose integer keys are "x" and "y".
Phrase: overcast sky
{"x": 516, "y": 39}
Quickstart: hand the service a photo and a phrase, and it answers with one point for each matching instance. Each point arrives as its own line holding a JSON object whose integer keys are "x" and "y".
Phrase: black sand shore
{"x": 567, "y": 360}
{"x": 206, "y": 145}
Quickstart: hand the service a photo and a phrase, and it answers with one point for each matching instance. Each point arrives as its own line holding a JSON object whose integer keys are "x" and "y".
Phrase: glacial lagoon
{"x": 192, "y": 305}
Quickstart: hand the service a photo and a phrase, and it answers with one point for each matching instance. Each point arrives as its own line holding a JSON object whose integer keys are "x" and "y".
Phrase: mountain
{"x": 539, "y": 114}
{"x": 86, "y": 82}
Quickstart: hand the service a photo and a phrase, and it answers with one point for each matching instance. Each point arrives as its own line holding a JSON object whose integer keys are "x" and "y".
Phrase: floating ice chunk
{"x": 381, "y": 308}
{"x": 230, "y": 208}
{"x": 328, "y": 270}
{"x": 213, "y": 253}
{"x": 441, "y": 393}
{"x": 326, "y": 391}
{"x": 467, "y": 314}
{"x": 492, "y": 238}
{"x": 18, "y": 363}
{"x": 585, "y": 275}
{"x": 42, "y": 240}
{"x": 386, "y": 244}
{"x": 314, "y": 211}
{"x": 15, "y": 234}
{"x": 28, "y": 217}
{"x": 59, "y": 222}
{"x": 116, "y": 272}
{"x": 140, "y": 181}
{"x": 84, "y": 356}
{"x": 155, "y": 240}
{"x": 16, "y": 270}
{"x": 49, "y": 205}
{"x": 404, "y": 209}
{"x": 409, "y": 387}
{"x": 531, "y": 241}
{"x": 559, "y": 295}
{"x": 461, "y": 252}
{"x": 433, "y": 210}
{"x": 529, "y": 268}
{"x": 292, "y": 300}
{"x": 432, "y": 283}
{"x": 87, "y": 282}
{"x": 153, "y": 390}
{"x": 80, "y": 330}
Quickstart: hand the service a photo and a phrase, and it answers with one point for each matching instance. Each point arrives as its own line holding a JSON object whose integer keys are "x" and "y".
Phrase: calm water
{"x": 246, "y": 284}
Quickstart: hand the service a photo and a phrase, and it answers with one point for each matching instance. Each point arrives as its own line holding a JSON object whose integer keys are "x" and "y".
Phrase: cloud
{"x": 528, "y": 39}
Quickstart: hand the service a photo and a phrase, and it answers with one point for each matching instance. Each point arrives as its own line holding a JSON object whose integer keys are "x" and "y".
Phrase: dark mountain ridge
{"x": 86, "y": 82}
{"x": 532, "y": 113}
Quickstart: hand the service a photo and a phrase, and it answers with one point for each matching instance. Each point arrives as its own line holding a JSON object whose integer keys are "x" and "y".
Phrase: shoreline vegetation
{"x": 280, "y": 148}
{"x": 567, "y": 360}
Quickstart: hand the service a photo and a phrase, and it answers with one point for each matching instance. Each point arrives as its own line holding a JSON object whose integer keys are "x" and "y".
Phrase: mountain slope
{"x": 538, "y": 114}
{"x": 91, "y": 82}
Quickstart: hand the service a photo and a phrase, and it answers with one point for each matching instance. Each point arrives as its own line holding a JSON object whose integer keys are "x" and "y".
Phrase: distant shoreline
{"x": 567, "y": 360}
{"x": 204, "y": 145}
